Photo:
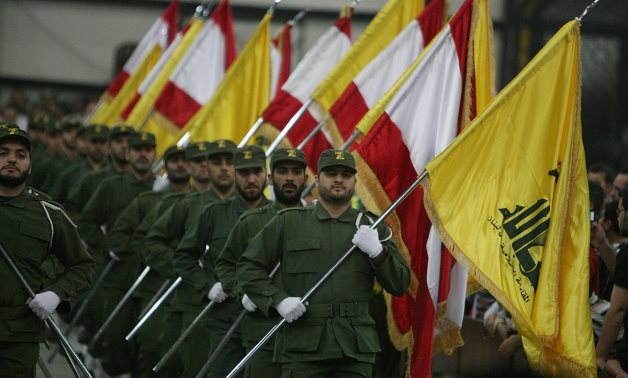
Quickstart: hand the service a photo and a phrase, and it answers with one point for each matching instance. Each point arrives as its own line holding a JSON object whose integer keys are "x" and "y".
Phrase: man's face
{"x": 622, "y": 218}
{"x": 288, "y": 180}
{"x": 178, "y": 169}
{"x": 621, "y": 182}
{"x": 98, "y": 149}
{"x": 55, "y": 143}
{"x": 69, "y": 137}
{"x": 199, "y": 169}
{"x": 141, "y": 158}
{"x": 15, "y": 164}
{"x": 336, "y": 184}
{"x": 250, "y": 183}
{"x": 598, "y": 178}
{"x": 221, "y": 171}
{"x": 120, "y": 148}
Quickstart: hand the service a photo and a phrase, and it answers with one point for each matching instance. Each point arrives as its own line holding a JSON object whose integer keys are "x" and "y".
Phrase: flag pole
{"x": 155, "y": 297}
{"x": 586, "y": 10}
{"x": 116, "y": 309}
{"x": 344, "y": 147}
{"x": 328, "y": 274}
{"x": 293, "y": 121}
{"x": 49, "y": 320}
{"x": 251, "y": 132}
{"x": 311, "y": 135}
{"x": 229, "y": 333}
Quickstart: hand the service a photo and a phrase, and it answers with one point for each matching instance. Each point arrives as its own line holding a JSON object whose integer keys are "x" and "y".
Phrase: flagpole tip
{"x": 271, "y": 10}
{"x": 587, "y": 10}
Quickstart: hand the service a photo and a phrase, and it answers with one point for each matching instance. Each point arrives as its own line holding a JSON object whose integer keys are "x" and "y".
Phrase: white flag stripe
{"x": 157, "y": 34}
{"x": 275, "y": 67}
{"x": 159, "y": 65}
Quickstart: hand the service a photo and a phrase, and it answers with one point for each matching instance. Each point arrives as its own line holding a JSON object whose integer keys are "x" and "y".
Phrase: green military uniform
{"x": 59, "y": 162}
{"x": 33, "y": 229}
{"x": 39, "y": 176}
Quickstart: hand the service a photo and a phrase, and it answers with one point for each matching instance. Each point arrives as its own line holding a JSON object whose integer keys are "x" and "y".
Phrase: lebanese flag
{"x": 314, "y": 66}
{"x": 161, "y": 33}
{"x": 415, "y": 120}
{"x": 280, "y": 58}
{"x": 383, "y": 71}
{"x": 199, "y": 72}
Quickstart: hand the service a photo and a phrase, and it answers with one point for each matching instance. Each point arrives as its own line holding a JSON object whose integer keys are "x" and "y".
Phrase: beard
{"x": 141, "y": 167}
{"x": 119, "y": 159}
{"x": 336, "y": 199}
{"x": 178, "y": 176}
{"x": 13, "y": 181}
{"x": 288, "y": 199}
{"x": 251, "y": 197}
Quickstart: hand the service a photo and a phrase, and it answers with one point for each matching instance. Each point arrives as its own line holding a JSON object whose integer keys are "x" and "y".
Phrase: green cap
{"x": 68, "y": 125}
{"x": 172, "y": 151}
{"x": 82, "y": 131}
{"x": 330, "y": 158}
{"x": 249, "y": 157}
{"x": 287, "y": 154}
{"x": 221, "y": 146}
{"x": 197, "y": 149}
{"x": 54, "y": 127}
{"x": 121, "y": 130}
{"x": 142, "y": 139}
{"x": 97, "y": 132}
{"x": 37, "y": 123}
{"x": 12, "y": 131}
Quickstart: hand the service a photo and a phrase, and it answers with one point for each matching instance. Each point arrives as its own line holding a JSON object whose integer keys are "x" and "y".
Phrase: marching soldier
{"x": 68, "y": 154}
{"x": 334, "y": 334}
{"x": 54, "y": 146}
{"x": 108, "y": 201}
{"x": 33, "y": 228}
{"x": 212, "y": 228}
{"x": 165, "y": 234}
{"x": 287, "y": 175}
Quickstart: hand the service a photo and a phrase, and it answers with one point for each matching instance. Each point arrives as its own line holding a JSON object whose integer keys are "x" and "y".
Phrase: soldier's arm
{"x": 78, "y": 265}
{"x": 226, "y": 263}
{"x": 158, "y": 247}
{"x": 190, "y": 249}
{"x": 259, "y": 258}
{"x": 119, "y": 238}
{"x": 390, "y": 268}
{"x": 91, "y": 219}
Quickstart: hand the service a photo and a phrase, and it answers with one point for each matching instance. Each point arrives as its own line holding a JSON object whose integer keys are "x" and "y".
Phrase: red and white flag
{"x": 199, "y": 72}
{"x": 383, "y": 71}
{"x": 161, "y": 33}
{"x": 280, "y": 58}
{"x": 415, "y": 120}
{"x": 313, "y": 68}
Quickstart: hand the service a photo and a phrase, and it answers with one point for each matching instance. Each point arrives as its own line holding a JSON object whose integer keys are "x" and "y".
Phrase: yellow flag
{"x": 140, "y": 115}
{"x": 241, "y": 96}
{"x": 510, "y": 199}
{"x": 389, "y": 21}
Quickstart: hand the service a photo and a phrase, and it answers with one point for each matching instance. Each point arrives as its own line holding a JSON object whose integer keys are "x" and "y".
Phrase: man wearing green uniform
{"x": 287, "y": 167}
{"x": 178, "y": 213}
{"x": 97, "y": 219}
{"x": 126, "y": 248}
{"x": 86, "y": 186}
{"x": 334, "y": 335}
{"x": 54, "y": 146}
{"x": 33, "y": 228}
{"x": 212, "y": 228}
{"x": 68, "y": 155}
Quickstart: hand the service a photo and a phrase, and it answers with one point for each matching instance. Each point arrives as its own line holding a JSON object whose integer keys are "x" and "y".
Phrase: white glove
{"x": 44, "y": 304}
{"x": 216, "y": 293}
{"x": 248, "y": 304}
{"x": 291, "y": 309}
{"x": 367, "y": 240}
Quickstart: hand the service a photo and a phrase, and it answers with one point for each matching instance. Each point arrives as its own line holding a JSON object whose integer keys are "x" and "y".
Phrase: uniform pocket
{"x": 34, "y": 242}
{"x": 304, "y": 337}
{"x": 30, "y": 324}
{"x": 366, "y": 336}
{"x": 302, "y": 256}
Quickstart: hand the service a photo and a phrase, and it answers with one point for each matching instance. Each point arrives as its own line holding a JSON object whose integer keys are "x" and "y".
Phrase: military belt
{"x": 343, "y": 310}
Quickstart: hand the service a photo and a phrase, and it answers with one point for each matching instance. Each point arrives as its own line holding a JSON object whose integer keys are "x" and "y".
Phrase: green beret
{"x": 330, "y": 158}
{"x": 10, "y": 131}
{"x": 172, "y": 151}
{"x": 197, "y": 149}
{"x": 97, "y": 132}
{"x": 287, "y": 154}
{"x": 249, "y": 157}
{"x": 121, "y": 130}
{"x": 221, "y": 146}
{"x": 142, "y": 139}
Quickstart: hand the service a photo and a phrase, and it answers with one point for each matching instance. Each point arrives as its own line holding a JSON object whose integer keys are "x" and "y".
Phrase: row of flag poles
{"x": 416, "y": 93}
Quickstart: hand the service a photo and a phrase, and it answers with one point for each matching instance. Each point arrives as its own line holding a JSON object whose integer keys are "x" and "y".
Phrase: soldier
{"x": 287, "y": 167}
{"x": 85, "y": 187}
{"x": 109, "y": 200}
{"x": 72, "y": 170}
{"x": 212, "y": 228}
{"x": 54, "y": 143}
{"x": 68, "y": 154}
{"x": 33, "y": 228}
{"x": 166, "y": 233}
{"x": 334, "y": 334}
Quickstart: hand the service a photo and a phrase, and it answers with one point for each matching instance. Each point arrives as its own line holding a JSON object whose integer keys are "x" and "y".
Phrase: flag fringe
{"x": 449, "y": 338}
{"x": 398, "y": 339}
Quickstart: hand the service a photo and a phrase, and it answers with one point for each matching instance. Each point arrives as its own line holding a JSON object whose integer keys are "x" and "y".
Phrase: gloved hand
{"x": 367, "y": 240}
{"x": 44, "y": 304}
{"x": 248, "y": 304}
{"x": 291, "y": 309}
{"x": 216, "y": 293}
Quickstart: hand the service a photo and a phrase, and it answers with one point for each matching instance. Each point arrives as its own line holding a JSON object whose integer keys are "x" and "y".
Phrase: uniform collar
{"x": 242, "y": 206}
{"x": 20, "y": 200}
{"x": 322, "y": 214}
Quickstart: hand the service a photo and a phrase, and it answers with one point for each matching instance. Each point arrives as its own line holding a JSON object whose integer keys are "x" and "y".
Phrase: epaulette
{"x": 291, "y": 209}
{"x": 176, "y": 194}
{"x": 258, "y": 210}
{"x": 38, "y": 195}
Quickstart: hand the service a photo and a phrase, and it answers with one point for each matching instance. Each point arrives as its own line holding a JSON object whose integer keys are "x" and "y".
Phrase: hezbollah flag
{"x": 510, "y": 199}
{"x": 241, "y": 96}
